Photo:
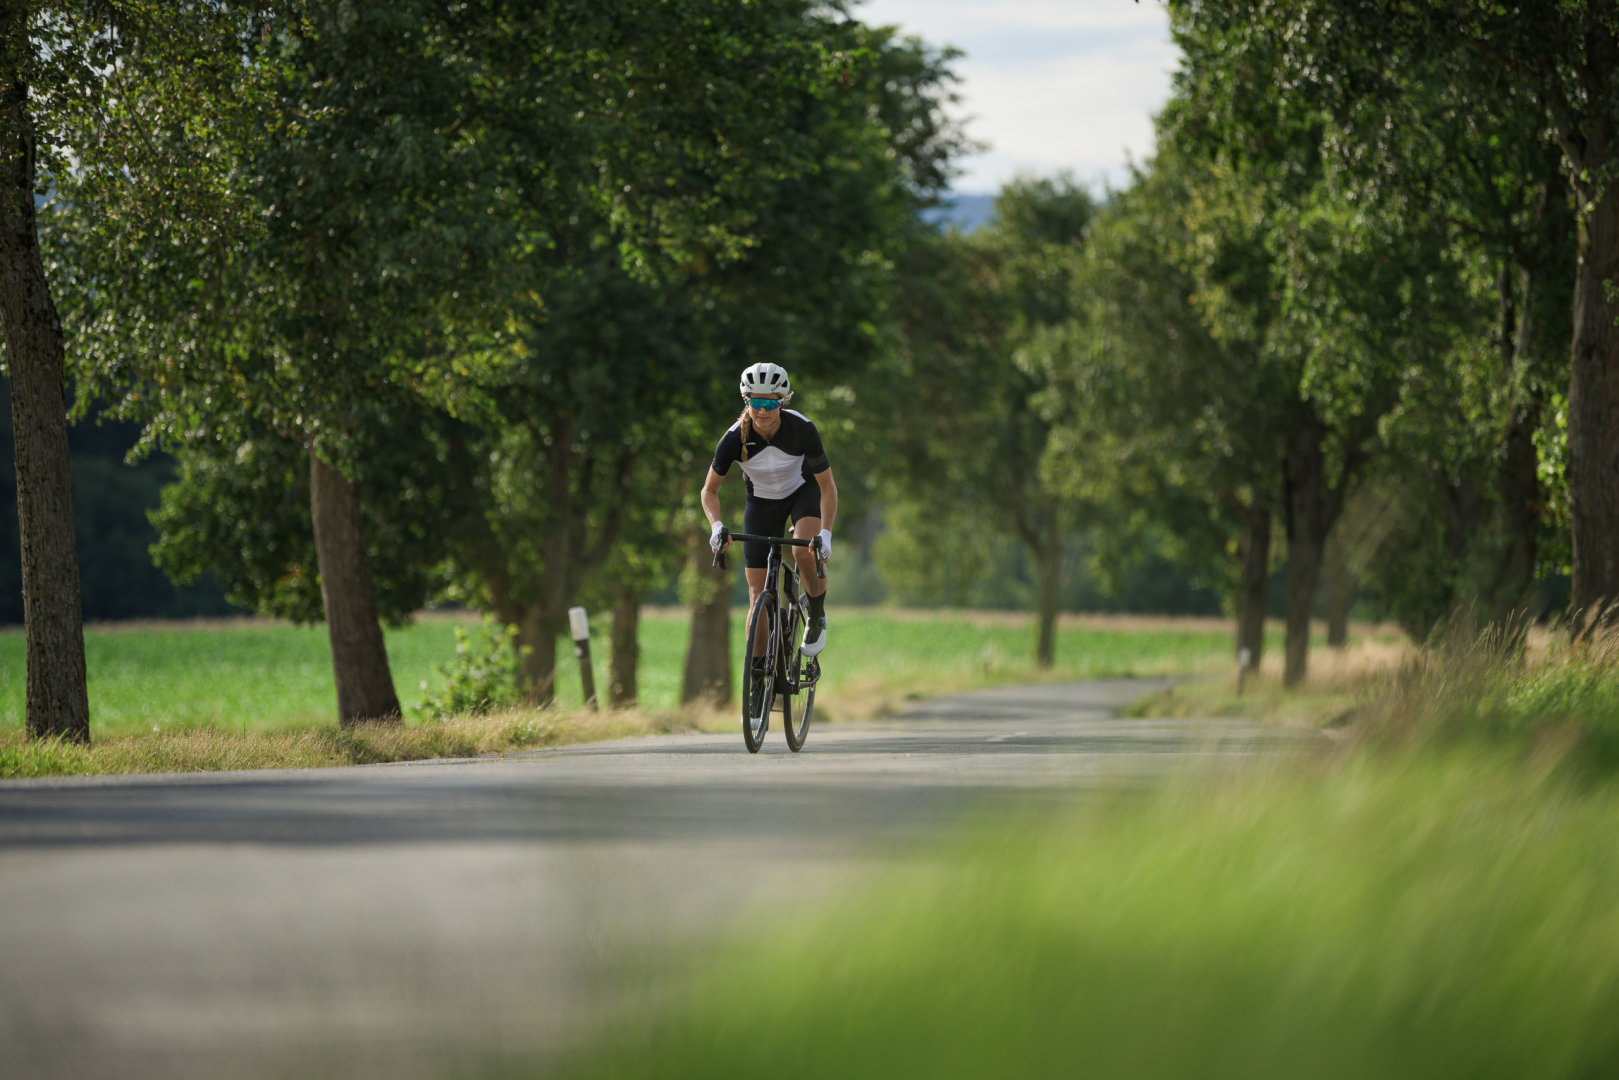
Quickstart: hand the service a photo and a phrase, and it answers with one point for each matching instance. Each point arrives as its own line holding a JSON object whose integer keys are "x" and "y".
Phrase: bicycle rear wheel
{"x": 759, "y": 679}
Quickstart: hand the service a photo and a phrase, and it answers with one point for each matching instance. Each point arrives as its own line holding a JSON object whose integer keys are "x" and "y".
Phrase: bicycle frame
{"x": 787, "y": 682}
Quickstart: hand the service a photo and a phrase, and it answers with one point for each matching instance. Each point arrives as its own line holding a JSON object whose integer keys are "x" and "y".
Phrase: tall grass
{"x": 1488, "y": 689}
{"x": 1421, "y": 916}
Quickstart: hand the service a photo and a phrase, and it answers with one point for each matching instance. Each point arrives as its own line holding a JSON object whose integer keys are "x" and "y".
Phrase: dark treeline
{"x": 432, "y": 303}
{"x": 111, "y": 500}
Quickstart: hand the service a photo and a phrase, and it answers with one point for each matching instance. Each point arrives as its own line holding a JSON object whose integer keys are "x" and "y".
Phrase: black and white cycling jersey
{"x": 778, "y": 466}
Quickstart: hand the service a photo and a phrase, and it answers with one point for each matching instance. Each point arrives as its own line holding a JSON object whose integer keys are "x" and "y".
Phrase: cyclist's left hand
{"x": 826, "y": 544}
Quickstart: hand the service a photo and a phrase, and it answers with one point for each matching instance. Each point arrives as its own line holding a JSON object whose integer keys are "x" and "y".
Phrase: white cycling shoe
{"x": 814, "y": 636}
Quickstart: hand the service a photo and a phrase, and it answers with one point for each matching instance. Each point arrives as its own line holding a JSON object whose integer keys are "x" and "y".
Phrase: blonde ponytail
{"x": 746, "y": 431}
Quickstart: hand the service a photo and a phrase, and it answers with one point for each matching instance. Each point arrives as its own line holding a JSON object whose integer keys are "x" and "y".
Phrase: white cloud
{"x": 1050, "y": 84}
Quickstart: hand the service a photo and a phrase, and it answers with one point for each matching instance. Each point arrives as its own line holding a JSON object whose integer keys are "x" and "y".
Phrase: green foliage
{"x": 499, "y": 264}
{"x": 481, "y": 679}
{"x": 1408, "y": 567}
{"x": 239, "y": 510}
{"x": 980, "y": 411}
{"x": 930, "y": 559}
{"x": 1407, "y": 160}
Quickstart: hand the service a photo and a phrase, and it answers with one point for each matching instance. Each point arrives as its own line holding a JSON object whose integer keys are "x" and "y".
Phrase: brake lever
{"x": 820, "y": 563}
{"x": 719, "y": 560}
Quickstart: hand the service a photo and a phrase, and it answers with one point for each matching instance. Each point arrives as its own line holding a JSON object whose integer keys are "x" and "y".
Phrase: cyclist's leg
{"x": 808, "y": 528}
{"x": 806, "y": 524}
{"x": 806, "y": 503}
{"x": 756, "y": 584}
{"x": 761, "y": 517}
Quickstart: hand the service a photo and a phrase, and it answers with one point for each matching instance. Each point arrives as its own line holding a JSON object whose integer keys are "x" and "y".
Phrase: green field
{"x": 262, "y": 676}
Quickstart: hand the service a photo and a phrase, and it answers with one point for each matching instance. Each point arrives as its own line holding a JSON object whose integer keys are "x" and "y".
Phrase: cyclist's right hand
{"x": 719, "y": 537}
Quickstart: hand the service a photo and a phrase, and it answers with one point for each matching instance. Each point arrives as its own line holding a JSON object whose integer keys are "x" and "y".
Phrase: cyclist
{"x": 786, "y": 475}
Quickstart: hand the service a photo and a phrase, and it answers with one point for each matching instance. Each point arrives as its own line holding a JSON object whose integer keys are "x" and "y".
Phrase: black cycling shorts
{"x": 768, "y": 517}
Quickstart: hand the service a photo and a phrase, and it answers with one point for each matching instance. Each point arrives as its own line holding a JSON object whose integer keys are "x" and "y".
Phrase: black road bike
{"x": 782, "y": 670}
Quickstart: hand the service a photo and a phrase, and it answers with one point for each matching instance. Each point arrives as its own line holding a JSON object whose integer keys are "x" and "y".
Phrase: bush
{"x": 483, "y": 676}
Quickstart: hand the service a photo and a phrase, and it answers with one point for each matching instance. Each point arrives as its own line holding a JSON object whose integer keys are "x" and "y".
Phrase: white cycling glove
{"x": 714, "y": 534}
{"x": 826, "y": 544}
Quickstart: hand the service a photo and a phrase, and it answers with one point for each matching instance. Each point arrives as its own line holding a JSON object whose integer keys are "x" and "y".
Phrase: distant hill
{"x": 963, "y": 212}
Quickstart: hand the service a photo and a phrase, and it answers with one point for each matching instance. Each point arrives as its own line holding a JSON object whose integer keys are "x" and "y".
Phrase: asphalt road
{"x": 412, "y": 920}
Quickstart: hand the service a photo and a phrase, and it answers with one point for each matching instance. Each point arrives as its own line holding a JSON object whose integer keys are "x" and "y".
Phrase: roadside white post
{"x": 579, "y": 629}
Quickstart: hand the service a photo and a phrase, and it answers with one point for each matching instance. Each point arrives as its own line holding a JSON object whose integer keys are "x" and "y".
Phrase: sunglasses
{"x": 768, "y": 404}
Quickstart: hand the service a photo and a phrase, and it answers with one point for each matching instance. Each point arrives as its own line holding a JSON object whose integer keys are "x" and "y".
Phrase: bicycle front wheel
{"x": 759, "y": 672}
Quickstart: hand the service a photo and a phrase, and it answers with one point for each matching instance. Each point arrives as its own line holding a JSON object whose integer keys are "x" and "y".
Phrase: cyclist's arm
{"x": 710, "y": 497}
{"x": 829, "y": 497}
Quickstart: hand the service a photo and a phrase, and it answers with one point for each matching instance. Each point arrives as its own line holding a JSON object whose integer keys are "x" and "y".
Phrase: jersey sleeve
{"x": 728, "y": 451}
{"x": 814, "y": 453}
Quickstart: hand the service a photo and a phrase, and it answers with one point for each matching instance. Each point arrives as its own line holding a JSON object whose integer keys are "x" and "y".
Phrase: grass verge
{"x": 1413, "y": 914}
{"x": 255, "y": 694}
{"x": 1544, "y": 695}
{"x": 209, "y": 749}
{"x": 257, "y": 675}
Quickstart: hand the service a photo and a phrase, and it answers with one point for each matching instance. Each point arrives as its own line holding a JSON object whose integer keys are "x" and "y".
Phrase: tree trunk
{"x": 1049, "y": 560}
{"x": 1338, "y": 588}
{"x": 1253, "y": 594}
{"x": 1306, "y": 537}
{"x": 708, "y": 657}
{"x": 1518, "y": 519}
{"x": 1593, "y": 401}
{"x": 1512, "y": 573}
{"x": 543, "y": 620}
{"x": 537, "y": 641}
{"x": 57, "y": 703}
{"x": 626, "y": 646}
{"x": 365, "y": 685}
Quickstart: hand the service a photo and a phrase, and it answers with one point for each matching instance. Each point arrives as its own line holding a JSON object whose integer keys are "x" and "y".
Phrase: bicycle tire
{"x": 758, "y": 689}
{"x": 799, "y": 733}
{"x": 796, "y": 733}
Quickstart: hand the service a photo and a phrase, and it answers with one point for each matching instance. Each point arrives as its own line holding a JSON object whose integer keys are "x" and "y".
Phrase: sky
{"x": 1050, "y": 84}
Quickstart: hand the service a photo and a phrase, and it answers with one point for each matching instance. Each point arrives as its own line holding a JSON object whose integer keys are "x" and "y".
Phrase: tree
{"x": 58, "y": 703}
{"x": 1358, "y": 291}
{"x": 85, "y": 84}
{"x": 1460, "y": 140}
{"x": 240, "y": 508}
{"x": 975, "y": 430}
{"x": 613, "y": 391}
{"x": 401, "y": 158}
{"x": 1558, "y": 63}
{"x": 1193, "y": 407}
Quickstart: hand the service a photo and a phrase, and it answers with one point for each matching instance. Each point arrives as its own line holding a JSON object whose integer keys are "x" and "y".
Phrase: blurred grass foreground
{"x": 1449, "y": 916}
{"x": 1431, "y": 892}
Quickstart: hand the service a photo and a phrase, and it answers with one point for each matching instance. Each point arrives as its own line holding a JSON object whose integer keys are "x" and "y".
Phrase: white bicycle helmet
{"x": 763, "y": 379}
